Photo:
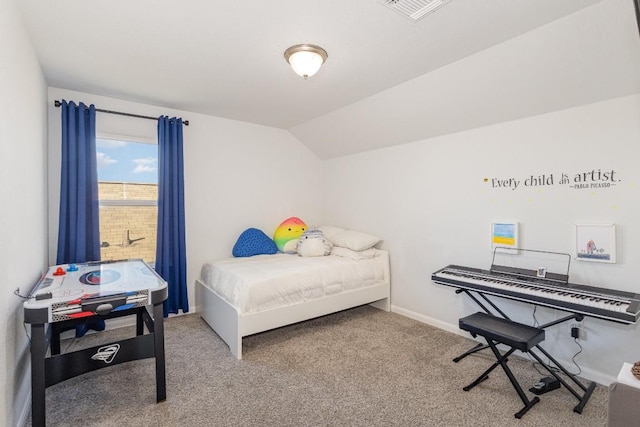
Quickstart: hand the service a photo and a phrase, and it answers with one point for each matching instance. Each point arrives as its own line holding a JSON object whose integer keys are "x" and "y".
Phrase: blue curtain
{"x": 171, "y": 258}
{"x": 78, "y": 226}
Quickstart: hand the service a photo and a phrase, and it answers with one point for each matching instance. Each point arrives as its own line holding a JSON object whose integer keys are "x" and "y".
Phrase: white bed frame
{"x": 231, "y": 326}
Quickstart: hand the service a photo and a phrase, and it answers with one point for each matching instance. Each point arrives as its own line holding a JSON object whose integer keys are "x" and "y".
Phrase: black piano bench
{"x": 497, "y": 330}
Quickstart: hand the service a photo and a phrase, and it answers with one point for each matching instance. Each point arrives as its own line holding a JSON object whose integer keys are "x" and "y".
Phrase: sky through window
{"x": 127, "y": 161}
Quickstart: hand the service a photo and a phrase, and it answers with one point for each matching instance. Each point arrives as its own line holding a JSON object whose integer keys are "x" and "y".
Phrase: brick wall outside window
{"x": 139, "y": 220}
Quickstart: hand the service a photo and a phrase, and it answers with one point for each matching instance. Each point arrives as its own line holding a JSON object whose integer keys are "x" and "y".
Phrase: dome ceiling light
{"x": 305, "y": 59}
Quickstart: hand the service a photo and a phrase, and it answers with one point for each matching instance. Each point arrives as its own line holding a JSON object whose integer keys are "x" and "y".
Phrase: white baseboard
{"x": 429, "y": 320}
{"x": 24, "y": 410}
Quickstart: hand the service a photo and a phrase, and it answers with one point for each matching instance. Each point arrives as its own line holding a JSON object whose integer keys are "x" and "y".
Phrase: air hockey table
{"x": 72, "y": 294}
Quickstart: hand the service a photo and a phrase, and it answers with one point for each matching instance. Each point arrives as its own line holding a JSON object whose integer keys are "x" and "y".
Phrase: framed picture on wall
{"x": 595, "y": 242}
{"x": 504, "y": 235}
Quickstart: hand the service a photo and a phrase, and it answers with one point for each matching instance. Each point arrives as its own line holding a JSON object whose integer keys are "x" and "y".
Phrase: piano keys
{"x": 607, "y": 304}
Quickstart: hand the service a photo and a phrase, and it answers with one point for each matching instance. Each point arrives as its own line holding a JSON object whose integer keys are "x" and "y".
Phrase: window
{"x": 128, "y": 194}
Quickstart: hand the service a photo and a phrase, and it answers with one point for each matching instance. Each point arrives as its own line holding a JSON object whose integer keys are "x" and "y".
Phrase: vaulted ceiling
{"x": 387, "y": 80}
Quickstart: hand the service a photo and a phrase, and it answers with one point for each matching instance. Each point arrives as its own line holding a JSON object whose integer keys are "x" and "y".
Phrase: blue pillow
{"x": 254, "y": 242}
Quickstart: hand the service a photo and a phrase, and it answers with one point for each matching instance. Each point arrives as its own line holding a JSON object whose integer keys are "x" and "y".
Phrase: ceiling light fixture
{"x": 305, "y": 59}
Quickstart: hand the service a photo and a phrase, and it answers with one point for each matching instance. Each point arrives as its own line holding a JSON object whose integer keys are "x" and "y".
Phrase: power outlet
{"x": 577, "y": 331}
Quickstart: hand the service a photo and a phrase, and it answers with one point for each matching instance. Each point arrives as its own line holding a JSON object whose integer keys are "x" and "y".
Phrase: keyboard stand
{"x": 480, "y": 346}
{"x": 586, "y": 390}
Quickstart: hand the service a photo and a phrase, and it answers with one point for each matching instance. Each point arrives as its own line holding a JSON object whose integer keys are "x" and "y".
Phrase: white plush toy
{"x": 313, "y": 243}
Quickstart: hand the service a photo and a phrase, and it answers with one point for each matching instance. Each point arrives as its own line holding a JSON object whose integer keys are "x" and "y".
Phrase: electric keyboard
{"x": 608, "y": 304}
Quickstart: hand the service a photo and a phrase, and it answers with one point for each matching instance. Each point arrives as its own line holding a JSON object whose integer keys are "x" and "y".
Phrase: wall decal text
{"x": 593, "y": 179}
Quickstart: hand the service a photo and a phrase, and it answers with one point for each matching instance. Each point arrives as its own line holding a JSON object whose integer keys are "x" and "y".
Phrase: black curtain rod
{"x": 185, "y": 122}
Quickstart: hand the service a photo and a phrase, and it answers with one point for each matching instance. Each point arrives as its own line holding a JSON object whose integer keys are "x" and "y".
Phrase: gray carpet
{"x": 360, "y": 367}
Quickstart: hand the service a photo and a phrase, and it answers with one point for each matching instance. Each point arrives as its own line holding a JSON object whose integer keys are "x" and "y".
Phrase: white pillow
{"x": 350, "y": 239}
{"x": 355, "y": 255}
{"x": 330, "y": 231}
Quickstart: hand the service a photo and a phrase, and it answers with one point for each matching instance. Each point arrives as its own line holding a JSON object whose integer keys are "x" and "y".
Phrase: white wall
{"x": 237, "y": 175}
{"x": 24, "y": 211}
{"x": 429, "y": 201}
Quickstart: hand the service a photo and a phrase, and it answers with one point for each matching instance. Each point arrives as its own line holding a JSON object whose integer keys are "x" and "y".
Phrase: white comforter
{"x": 264, "y": 282}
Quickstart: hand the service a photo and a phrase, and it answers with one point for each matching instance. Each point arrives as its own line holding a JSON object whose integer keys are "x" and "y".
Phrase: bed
{"x": 244, "y": 296}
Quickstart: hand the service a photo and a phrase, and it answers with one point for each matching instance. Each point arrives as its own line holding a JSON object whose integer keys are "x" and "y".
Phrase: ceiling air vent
{"x": 414, "y": 9}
